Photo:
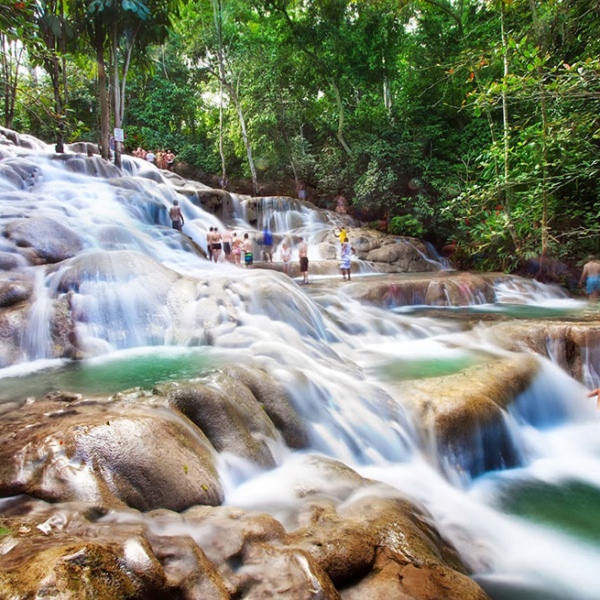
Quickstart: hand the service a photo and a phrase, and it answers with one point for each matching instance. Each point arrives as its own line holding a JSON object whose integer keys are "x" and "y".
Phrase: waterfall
{"x": 139, "y": 305}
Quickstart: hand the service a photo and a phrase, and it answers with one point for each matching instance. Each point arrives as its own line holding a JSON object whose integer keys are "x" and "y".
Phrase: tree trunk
{"x": 340, "y": 131}
{"x": 508, "y": 191}
{"x": 541, "y": 42}
{"x": 116, "y": 88}
{"x": 218, "y": 17}
{"x": 102, "y": 97}
{"x": 238, "y": 107}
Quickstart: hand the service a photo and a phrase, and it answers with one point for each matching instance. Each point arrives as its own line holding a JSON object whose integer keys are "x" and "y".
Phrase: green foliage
{"x": 406, "y": 225}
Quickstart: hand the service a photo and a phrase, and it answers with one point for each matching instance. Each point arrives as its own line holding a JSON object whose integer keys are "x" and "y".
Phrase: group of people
{"x": 233, "y": 247}
{"x": 163, "y": 159}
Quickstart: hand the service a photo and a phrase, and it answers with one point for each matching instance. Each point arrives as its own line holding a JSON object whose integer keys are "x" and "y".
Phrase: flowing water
{"x": 529, "y": 531}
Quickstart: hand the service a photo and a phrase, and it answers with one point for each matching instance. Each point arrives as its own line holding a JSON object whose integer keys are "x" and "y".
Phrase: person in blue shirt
{"x": 267, "y": 245}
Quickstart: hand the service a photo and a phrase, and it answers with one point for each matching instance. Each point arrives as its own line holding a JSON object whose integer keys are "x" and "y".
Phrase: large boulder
{"x": 51, "y": 241}
{"x": 412, "y": 562}
{"x": 464, "y": 411}
{"x": 63, "y": 551}
{"x": 66, "y": 448}
{"x": 230, "y": 417}
{"x": 441, "y": 289}
{"x": 570, "y": 344}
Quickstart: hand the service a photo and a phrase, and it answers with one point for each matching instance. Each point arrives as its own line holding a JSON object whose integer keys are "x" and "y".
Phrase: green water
{"x": 515, "y": 311}
{"x": 571, "y": 507}
{"x": 422, "y": 368}
{"x": 112, "y": 374}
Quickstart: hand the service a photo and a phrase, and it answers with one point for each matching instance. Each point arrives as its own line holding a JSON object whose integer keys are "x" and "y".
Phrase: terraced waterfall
{"x": 175, "y": 428}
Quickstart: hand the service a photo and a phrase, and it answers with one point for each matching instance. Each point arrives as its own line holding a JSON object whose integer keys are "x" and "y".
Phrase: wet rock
{"x": 392, "y": 577}
{"x": 412, "y": 561}
{"x": 569, "y": 344}
{"x": 275, "y": 403}
{"x": 344, "y": 549}
{"x": 106, "y": 453}
{"x": 14, "y": 289}
{"x": 441, "y": 289}
{"x": 225, "y": 532}
{"x": 64, "y": 551}
{"x": 465, "y": 411}
{"x": 84, "y": 148}
{"x": 283, "y": 573}
{"x": 13, "y": 323}
{"x": 51, "y": 241}
{"x": 229, "y": 416}
{"x": 120, "y": 266}
{"x": 8, "y": 261}
{"x": 188, "y": 572}
{"x": 328, "y": 251}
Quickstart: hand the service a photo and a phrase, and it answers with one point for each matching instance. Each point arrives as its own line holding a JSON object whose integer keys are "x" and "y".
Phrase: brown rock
{"x": 229, "y": 416}
{"x": 102, "y": 452}
{"x": 283, "y": 573}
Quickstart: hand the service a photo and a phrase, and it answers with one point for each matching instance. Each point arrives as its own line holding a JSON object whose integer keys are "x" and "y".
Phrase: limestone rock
{"x": 283, "y": 573}
{"x": 464, "y": 410}
{"x": 64, "y": 551}
{"x": 51, "y": 241}
{"x": 229, "y": 416}
{"x": 275, "y": 403}
{"x": 100, "y": 452}
{"x": 14, "y": 288}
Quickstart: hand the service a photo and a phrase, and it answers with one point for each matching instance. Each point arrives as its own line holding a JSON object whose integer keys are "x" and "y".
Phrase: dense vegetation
{"x": 467, "y": 120}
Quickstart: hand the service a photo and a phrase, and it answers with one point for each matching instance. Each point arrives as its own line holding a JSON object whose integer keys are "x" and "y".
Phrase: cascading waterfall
{"x": 136, "y": 283}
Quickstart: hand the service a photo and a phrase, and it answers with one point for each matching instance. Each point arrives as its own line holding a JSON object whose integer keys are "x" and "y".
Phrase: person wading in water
{"x": 176, "y": 215}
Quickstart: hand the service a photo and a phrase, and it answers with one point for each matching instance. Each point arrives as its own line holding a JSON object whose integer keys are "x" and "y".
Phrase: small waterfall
{"x": 37, "y": 342}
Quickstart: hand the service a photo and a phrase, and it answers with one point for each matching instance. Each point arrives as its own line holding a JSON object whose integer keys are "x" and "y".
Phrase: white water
{"x": 326, "y": 350}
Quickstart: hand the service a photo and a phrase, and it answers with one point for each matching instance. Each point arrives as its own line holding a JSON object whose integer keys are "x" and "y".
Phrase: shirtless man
{"x": 248, "y": 254}
{"x": 209, "y": 242}
{"x": 216, "y": 245}
{"x": 177, "y": 221}
{"x": 591, "y": 275}
{"x": 303, "y": 254}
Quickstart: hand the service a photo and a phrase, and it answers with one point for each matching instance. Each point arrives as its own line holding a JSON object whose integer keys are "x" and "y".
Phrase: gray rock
{"x": 51, "y": 241}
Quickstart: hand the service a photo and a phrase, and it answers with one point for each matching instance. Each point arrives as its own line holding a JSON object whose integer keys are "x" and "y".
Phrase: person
{"x": 216, "y": 244}
{"x": 226, "y": 237}
{"x": 150, "y": 157}
{"x": 591, "y": 276}
{"x": 301, "y": 192}
{"x": 286, "y": 256}
{"x": 342, "y": 235}
{"x": 248, "y": 255}
{"x": 176, "y": 215}
{"x": 209, "y": 237}
{"x": 347, "y": 251}
{"x": 596, "y": 393}
{"x": 303, "y": 255}
{"x": 170, "y": 160}
{"x": 267, "y": 245}
{"x": 237, "y": 249}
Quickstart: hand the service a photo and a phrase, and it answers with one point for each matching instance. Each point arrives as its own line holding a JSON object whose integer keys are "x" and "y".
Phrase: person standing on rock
{"x": 237, "y": 249}
{"x": 209, "y": 239}
{"x": 342, "y": 235}
{"x": 227, "y": 244}
{"x": 591, "y": 276}
{"x": 267, "y": 245}
{"x": 303, "y": 254}
{"x": 176, "y": 215}
{"x": 216, "y": 244}
{"x": 248, "y": 254}
{"x": 347, "y": 251}
{"x": 286, "y": 257}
